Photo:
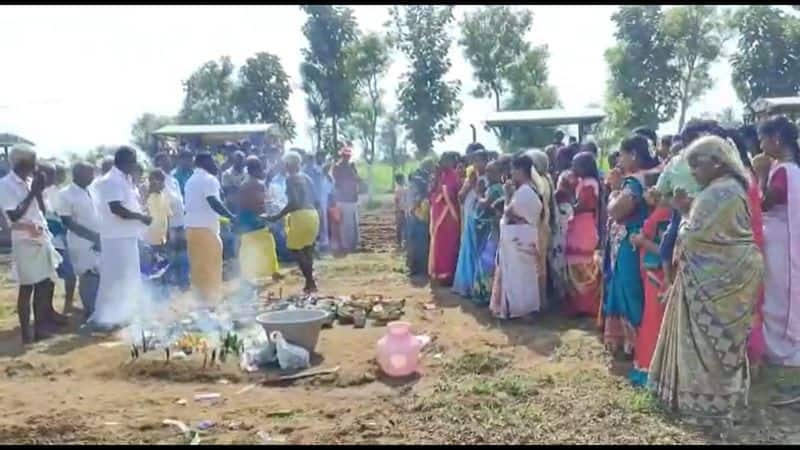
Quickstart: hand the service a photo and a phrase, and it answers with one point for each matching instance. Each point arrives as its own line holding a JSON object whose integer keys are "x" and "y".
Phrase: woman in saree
{"x": 779, "y": 176}
{"x": 624, "y": 293}
{"x": 468, "y": 250}
{"x": 445, "y": 223}
{"x": 583, "y": 263}
{"x": 515, "y": 292}
{"x": 544, "y": 187}
{"x": 700, "y": 366}
{"x": 488, "y": 209}
{"x": 562, "y": 213}
{"x": 756, "y": 347}
{"x": 648, "y": 242}
{"x": 418, "y": 217}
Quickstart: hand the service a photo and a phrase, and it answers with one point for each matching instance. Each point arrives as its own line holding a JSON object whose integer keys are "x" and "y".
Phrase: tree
{"x": 262, "y": 94}
{"x": 616, "y": 126}
{"x": 767, "y": 60}
{"x": 528, "y": 89}
{"x": 370, "y": 64}
{"x": 209, "y": 94}
{"x": 641, "y": 65}
{"x": 698, "y": 35}
{"x": 389, "y": 139}
{"x": 493, "y": 40}
{"x": 429, "y": 105}
{"x": 315, "y": 104}
{"x": 143, "y": 127}
{"x": 331, "y": 32}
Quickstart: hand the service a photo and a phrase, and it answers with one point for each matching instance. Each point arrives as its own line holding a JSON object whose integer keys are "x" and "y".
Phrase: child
{"x": 418, "y": 217}
{"x": 400, "y": 192}
{"x": 159, "y": 209}
{"x": 154, "y": 261}
{"x": 653, "y": 276}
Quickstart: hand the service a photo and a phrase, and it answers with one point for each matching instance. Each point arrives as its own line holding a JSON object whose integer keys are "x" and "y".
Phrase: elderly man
{"x": 32, "y": 249}
{"x": 122, "y": 223}
{"x": 346, "y": 182}
{"x": 203, "y": 210}
{"x": 302, "y": 221}
{"x": 79, "y": 216}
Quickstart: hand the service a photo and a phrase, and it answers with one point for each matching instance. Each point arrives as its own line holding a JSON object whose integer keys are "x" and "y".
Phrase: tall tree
{"x": 315, "y": 103}
{"x": 641, "y": 65}
{"x": 143, "y": 127}
{"x": 391, "y": 133}
{"x": 429, "y": 104}
{"x": 698, "y": 34}
{"x": 370, "y": 64}
{"x": 209, "y": 94}
{"x": 493, "y": 40}
{"x": 767, "y": 60}
{"x": 262, "y": 94}
{"x": 331, "y": 32}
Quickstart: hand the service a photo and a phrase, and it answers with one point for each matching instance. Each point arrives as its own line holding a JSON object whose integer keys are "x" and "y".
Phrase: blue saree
{"x": 623, "y": 296}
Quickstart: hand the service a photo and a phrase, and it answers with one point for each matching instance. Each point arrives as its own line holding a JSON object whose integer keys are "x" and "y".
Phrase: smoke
{"x": 162, "y": 322}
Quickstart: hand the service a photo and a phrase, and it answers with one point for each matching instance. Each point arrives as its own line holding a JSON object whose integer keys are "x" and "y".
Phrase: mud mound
{"x": 49, "y": 430}
{"x": 377, "y": 228}
{"x": 177, "y": 371}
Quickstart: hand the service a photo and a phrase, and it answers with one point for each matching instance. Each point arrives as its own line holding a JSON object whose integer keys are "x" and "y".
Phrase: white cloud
{"x": 77, "y": 76}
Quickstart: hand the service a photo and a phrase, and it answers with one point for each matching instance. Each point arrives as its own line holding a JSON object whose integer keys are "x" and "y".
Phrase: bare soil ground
{"x": 545, "y": 379}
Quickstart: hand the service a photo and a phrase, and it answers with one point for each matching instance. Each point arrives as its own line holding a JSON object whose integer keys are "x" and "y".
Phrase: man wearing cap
{"x": 345, "y": 185}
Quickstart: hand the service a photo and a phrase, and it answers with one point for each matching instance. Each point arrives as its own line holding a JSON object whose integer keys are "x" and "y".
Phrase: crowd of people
{"x": 142, "y": 228}
{"x": 683, "y": 250}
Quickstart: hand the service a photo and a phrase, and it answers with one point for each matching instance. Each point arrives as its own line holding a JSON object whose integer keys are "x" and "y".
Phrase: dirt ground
{"x": 541, "y": 380}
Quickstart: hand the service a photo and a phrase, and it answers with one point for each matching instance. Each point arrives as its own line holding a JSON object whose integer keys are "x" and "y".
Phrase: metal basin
{"x": 298, "y": 326}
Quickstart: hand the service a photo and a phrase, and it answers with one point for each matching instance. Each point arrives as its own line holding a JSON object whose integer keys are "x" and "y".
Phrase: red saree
{"x": 445, "y": 227}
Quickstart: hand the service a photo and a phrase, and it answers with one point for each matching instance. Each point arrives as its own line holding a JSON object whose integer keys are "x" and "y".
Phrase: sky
{"x": 76, "y": 77}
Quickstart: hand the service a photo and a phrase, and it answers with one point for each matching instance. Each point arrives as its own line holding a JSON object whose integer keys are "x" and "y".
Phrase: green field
{"x": 382, "y": 174}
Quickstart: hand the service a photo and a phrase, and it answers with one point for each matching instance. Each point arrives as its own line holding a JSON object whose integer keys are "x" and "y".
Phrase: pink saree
{"x": 781, "y": 308}
{"x": 445, "y": 227}
{"x": 583, "y": 265}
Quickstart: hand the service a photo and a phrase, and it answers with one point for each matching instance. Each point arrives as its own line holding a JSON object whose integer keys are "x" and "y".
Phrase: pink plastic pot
{"x": 398, "y": 351}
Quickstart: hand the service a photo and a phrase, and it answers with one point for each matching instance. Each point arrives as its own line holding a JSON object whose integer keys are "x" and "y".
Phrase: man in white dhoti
{"x": 121, "y": 226}
{"x": 79, "y": 216}
{"x": 34, "y": 256}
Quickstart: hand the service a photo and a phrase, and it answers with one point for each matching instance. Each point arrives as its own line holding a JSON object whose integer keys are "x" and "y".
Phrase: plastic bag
{"x": 255, "y": 357}
{"x": 290, "y": 357}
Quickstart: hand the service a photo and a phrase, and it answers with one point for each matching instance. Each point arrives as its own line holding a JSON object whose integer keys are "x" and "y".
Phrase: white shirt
{"x": 173, "y": 191}
{"x": 77, "y": 204}
{"x": 115, "y": 186}
{"x": 199, "y": 187}
{"x": 13, "y": 191}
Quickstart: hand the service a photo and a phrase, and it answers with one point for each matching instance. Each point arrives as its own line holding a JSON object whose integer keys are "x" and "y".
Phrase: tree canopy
{"x": 767, "y": 60}
{"x": 262, "y": 92}
{"x": 697, "y": 33}
{"x": 641, "y": 65}
{"x": 429, "y": 104}
{"x": 209, "y": 94}
{"x": 327, "y": 67}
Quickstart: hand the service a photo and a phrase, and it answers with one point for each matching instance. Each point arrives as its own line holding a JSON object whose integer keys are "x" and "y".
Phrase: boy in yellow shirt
{"x": 159, "y": 209}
